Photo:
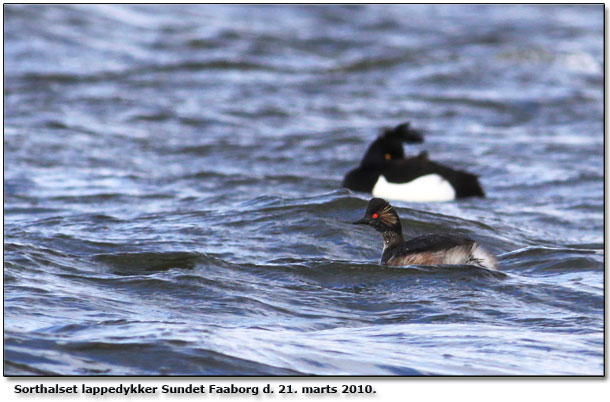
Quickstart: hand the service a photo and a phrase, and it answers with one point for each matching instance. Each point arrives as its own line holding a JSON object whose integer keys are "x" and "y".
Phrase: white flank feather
{"x": 431, "y": 187}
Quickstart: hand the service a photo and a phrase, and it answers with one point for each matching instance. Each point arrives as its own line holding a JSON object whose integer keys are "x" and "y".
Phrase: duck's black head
{"x": 404, "y": 133}
{"x": 381, "y": 216}
{"x": 388, "y": 146}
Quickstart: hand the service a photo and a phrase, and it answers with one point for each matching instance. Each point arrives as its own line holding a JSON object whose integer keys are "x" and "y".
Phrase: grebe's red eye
{"x": 375, "y": 216}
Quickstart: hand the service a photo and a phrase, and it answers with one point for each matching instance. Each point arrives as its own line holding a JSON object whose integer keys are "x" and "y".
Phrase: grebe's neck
{"x": 391, "y": 238}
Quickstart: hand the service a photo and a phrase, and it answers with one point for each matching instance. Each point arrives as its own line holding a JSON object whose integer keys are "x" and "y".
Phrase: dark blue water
{"x": 172, "y": 200}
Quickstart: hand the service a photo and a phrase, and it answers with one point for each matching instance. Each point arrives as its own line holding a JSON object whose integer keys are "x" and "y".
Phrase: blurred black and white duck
{"x": 385, "y": 172}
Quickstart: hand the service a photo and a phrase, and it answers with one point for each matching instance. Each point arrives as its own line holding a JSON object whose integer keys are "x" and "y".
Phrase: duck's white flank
{"x": 431, "y": 187}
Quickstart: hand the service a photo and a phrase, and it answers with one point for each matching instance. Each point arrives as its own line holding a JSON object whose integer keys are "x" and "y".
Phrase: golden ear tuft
{"x": 388, "y": 156}
{"x": 387, "y": 216}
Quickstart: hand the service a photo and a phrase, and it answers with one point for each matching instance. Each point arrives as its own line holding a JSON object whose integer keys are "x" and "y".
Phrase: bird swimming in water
{"x": 386, "y": 172}
{"x": 431, "y": 249}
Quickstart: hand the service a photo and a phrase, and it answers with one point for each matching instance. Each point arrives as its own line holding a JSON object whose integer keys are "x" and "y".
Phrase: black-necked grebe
{"x": 432, "y": 249}
{"x": 385, "y": 172}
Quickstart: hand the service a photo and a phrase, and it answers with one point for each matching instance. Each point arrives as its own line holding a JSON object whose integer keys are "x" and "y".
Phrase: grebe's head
{"x": 381, "y": 216}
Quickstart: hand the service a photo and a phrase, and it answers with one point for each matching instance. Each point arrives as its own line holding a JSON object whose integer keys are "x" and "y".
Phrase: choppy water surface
{"x": 173, "y": 201}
